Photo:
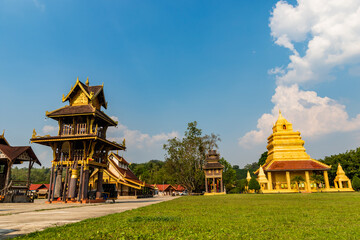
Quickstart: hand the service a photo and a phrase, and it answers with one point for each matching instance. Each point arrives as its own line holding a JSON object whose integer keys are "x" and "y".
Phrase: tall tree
{"x": 263, "y": 158}
{"x": 229, "y": 174}
{"x": 185, "y": 157}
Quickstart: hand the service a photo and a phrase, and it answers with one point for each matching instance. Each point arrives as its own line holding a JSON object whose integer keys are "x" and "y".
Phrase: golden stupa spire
{"x": 261, "y": 177}
{"x": 340, "y": 170}
{"x": 248, "y": 177}
{"x": 87, "y": 81}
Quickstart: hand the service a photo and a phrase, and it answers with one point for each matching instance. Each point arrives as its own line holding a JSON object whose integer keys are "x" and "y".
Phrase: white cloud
{"x": 39, "y": 5}
{"x": 312, "y": 115}
{"x": 137, "y": 139}
{"x": 330, "y": 32}
{"x": 50, "y": 130}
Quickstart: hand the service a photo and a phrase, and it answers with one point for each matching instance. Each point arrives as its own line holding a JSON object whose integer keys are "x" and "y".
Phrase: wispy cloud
{"x": 137, "y": 139}
{"x": 39, "y": 5}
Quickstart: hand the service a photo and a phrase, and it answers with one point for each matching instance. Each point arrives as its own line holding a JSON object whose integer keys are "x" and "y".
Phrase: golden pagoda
{"x": 80, "y": 147}
{"x": 287, "y": 164}
{"x": 341, "y": 181}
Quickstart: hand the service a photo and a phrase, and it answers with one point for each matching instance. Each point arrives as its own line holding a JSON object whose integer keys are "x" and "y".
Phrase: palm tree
{"x": 297, "y": 180}
{"x": 317, "y": 179}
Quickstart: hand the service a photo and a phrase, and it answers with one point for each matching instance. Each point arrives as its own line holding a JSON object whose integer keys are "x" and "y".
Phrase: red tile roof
{"x": 296, "y": 165}
{"x": 38, "y": 186}
{"x": 179, "y": 188}
{"x": 164, "y": 187}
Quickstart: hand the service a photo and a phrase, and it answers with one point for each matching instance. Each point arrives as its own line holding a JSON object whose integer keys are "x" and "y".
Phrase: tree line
{"x": 185, "y": 158}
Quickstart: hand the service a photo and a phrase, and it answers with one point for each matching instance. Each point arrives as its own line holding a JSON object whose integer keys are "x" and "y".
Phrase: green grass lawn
{"x": 240, "y": 216}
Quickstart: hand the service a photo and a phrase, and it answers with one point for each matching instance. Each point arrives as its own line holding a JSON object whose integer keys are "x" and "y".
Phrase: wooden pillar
{"x": 54, "y": 183}
{"x": 326, "y": 179}
{"x": 58, "y": 183}
{"x": 206, "y": 185}
{"x": 81, "y": 183}
{"x": 307, "y": 179}
{"x": 288, "y": 180}
{"x": 51, "y": 183}
{"x": 99, "y": 188}
{"x": 270, "y": 187}
{"x": 214, "y": 189}
{"x": 31, "y": 163}
{"x": 66, "y": 181}
{"x": 8, "y": 173}
{"x": 86, "y": 182}
{"x": 222, "y": 186}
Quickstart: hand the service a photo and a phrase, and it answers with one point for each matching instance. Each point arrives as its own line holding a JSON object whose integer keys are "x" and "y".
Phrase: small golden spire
{"x": 87, "y": 81}
{"x": 77, "y": 79}
{"x": 3, "y": 133}
{"x": 248, "y": 177}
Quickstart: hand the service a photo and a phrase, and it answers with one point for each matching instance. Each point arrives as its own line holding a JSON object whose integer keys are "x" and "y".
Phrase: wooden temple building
{"x": 119, "y": 177}
{"x": 213, "y": 174}
{"x": 287, "y": 162}
{"x": 10, "y": 190}
{"x": 80, "y": 147}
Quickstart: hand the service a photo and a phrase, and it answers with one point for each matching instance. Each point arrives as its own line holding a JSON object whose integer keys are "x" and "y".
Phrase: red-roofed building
{"x": 164, "y": 189}
{"x": 10, "y": 190}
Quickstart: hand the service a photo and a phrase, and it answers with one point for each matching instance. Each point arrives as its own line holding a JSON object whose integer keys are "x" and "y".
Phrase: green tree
{"x": 254, "y": 184}
{"x": 229, "y": 174}
{"x": 185, "y": 157}
{"x": 263, "y": 158}
{"x": 356, "y": 183}
{"x": 350, "y": 162}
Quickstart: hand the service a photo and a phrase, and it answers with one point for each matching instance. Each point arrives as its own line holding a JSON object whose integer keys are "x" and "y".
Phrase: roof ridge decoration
{"x": 87, "y": 91}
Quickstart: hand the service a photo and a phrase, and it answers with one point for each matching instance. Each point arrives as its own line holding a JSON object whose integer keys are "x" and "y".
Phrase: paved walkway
{"x": 21, "y": 218}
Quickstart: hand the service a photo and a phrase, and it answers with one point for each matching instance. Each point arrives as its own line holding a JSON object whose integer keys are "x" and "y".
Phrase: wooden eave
{"x": 46, "y": 140}
{"x": 95, "y": 113}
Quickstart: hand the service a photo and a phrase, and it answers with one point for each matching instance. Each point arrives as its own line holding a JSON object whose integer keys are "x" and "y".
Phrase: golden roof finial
{"x": 77, "y": 79}
{"x": 3, "y": 133}
{"x": 87, "y": 81}
{"x": 248, "y": 177}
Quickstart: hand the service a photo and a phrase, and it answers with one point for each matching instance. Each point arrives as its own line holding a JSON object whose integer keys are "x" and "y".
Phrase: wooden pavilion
{"x": 213, "y": 174}
{"x": 80, "y": 148}
{"x": 10, "y": 190}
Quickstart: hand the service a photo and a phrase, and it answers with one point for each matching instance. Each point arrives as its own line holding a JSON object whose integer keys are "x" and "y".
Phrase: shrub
{"x": 234, "y": 190}
{"x": 356, "y": 183}
{"x": 254, "y": 184}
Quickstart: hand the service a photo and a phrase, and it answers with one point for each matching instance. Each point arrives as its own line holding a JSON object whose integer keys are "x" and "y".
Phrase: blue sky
{"x": 166, "y": 63}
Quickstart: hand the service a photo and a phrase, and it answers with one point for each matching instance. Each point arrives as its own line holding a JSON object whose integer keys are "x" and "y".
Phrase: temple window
{"x": 284, "y": 127}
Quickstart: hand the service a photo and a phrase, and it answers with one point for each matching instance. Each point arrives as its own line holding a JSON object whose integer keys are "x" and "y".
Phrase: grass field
{"x": 240, "y": 216}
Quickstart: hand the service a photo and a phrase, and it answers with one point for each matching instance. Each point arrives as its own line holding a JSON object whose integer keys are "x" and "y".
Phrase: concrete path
{"x": 21, "y": 218}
